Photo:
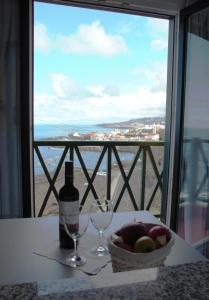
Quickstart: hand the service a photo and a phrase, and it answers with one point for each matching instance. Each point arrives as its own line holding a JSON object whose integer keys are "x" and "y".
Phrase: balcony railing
{"x": 145, "y": 168}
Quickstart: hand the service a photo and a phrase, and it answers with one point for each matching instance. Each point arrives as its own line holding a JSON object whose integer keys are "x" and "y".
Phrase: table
{"x": 20, "y": 237}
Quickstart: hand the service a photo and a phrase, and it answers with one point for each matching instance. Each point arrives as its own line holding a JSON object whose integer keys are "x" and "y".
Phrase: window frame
{"x": 26, "y": 92}
{"x": 180, "y": 77}
{"x": 28, "y": 136}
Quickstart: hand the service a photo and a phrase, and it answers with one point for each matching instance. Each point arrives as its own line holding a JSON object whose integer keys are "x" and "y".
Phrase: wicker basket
{"x": 123, "y": 260}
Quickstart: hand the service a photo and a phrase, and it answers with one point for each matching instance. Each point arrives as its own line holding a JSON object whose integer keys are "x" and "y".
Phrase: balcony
{"x": 130, "y": 173}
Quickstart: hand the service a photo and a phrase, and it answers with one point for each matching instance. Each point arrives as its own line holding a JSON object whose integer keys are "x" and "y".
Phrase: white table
{"x": 20, "y": 237}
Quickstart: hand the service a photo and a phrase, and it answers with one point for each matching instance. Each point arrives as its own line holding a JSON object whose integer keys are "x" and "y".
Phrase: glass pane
{"x": 193, "y": 221}
{"x": 100, "y": 79}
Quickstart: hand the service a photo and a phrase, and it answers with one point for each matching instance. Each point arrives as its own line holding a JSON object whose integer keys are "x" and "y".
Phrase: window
{"x": 99, "y": 81}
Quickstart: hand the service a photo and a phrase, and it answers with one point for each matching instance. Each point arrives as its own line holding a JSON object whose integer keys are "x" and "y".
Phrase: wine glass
{"x": 75, "y": 229}
{"x": 101, "y": 213}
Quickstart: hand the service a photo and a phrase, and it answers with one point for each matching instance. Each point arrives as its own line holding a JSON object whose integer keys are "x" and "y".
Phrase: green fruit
{"x": 144, "y": 244}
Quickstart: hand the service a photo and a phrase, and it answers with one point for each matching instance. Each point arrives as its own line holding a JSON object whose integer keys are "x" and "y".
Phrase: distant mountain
{"x": 133, "y": 122}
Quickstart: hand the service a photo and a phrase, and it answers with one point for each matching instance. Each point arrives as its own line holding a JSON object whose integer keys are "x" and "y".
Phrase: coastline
{"x": 90, "y": 154}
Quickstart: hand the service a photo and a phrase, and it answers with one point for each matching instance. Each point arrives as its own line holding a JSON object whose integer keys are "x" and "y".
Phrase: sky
{"x": 92, "y": 66}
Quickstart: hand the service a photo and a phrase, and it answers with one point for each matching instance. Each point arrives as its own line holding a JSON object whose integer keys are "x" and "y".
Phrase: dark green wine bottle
{"x": 68, "y": 207}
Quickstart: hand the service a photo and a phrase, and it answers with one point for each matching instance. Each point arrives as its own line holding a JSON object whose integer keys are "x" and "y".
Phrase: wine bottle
{"x": 68, "y": 206}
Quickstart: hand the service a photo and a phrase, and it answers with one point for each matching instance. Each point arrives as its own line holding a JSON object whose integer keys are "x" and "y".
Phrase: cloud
{"x": 62, "y": 85}
{"x": 88, "y": 39}
{"x": 158, "y": 26}
{"x": 124, "y": 27}
{"x": 159, "y": 45}
{"x": 96, "y": 90}
{"x": 158, "y": 30}
{"x": 96, "y": 105}
{"x": 93, "y": 39}
{"x": 42, "y": 41}
{"x": 155, "y": 76}
{"x": 100, "y": 90}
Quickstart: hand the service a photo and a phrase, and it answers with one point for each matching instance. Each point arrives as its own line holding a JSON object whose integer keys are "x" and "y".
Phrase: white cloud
{"x": 124, "y": 27}
{"x": 88, "y": 39}
{"x": 111, "y": 90}
{"x": 99, "y": 106}
{"x": 157, "y": 26}
{"x": 100, "y": 90}
{"x": 155, "y": 76}
{"x": 159, "y": 45}
{"x": 93, "y": 39}
{"x": 96, "y": 90}
{"x": 42, "y": 41}
{"x": 62, "y": 85}
{"x": 158, "y": 29}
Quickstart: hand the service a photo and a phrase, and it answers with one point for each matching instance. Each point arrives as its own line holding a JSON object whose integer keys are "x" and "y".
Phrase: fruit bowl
{"x": 123, "y": 255}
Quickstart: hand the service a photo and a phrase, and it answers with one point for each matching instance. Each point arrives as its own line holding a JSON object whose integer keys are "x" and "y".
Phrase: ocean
{"x": 51, "y": 155}
{"x": 46, "y": 131}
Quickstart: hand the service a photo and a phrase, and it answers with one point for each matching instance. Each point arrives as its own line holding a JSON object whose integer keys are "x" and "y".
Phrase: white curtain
{"x": 10, "y": 145}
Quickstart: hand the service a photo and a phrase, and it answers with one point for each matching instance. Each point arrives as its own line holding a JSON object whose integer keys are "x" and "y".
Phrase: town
{"x": 133, "y": 132}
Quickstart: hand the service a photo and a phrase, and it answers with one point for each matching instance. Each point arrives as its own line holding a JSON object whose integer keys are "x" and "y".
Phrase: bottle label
{"x": 70, "y": 212}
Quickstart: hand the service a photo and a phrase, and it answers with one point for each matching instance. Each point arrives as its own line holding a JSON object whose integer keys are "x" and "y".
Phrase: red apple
{"x": 131, "y": 232}
{"x": 160, "y": 234}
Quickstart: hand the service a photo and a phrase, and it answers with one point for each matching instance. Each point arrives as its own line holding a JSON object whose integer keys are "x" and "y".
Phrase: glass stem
{"x": 101, "y": 244}
{"x": 76, "y": 242}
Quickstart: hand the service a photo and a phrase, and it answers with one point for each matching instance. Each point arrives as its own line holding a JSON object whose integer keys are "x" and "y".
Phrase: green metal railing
{"x": 141, "y": 150}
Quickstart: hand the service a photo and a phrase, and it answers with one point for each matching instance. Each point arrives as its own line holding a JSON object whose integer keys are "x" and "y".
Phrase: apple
{"x": 131, "y": 232}
{"x": 144, "y": 244}
{"x": 160, "y": 234}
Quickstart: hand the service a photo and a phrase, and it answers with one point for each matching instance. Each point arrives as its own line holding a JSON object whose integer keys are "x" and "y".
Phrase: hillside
{"x": 133, "y": 122}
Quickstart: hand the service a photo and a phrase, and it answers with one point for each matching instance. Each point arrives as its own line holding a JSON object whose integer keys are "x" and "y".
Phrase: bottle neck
{"x": 68, "y": 173}
{"x": 68, "y": 180}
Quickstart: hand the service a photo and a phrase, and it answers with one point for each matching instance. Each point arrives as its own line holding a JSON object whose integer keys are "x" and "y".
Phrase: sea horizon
{"x": 45, "y": 131}
{"x": 51, "y": 155}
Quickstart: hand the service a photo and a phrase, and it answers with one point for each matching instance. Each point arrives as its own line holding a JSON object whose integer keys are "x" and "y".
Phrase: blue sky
{"x": 92, "y": 66}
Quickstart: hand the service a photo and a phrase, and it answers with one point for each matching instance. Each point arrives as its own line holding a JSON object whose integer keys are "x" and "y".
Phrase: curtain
{"x": 10, "y": 134}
